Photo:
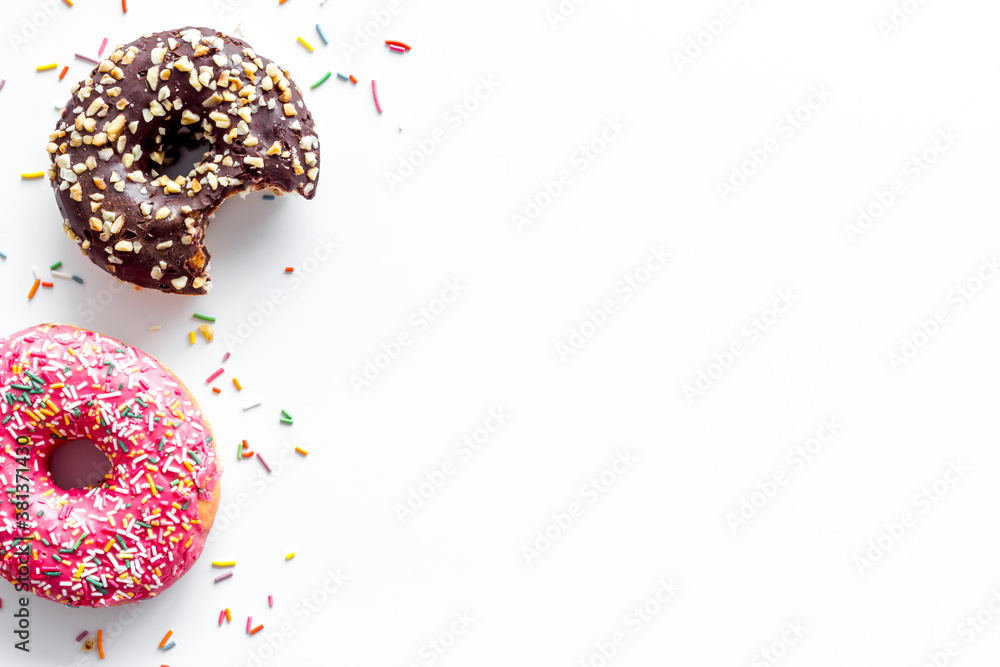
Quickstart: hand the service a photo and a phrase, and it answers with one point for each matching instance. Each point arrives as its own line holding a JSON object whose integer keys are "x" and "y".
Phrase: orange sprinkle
{"x": 100, "y": 633}
{"x": 261, "y": 626}
{"x": 163, "y": 642}
{"x": 63, "y": 72}
{"x": 229, "y": 617}
{"x": 289, "y": 269}
{"x": 69, "y": 2}
{"x": 281, "y": 2}
{"x": 302, "y": 451}
{"x": 236, "y": 383}
{"x": 124, "y": 7}
{"x": 354, "y": 79}
{"x": 216, "y": 390}
{"x": 34, "y": 288}
{"x": 44, "y": 284}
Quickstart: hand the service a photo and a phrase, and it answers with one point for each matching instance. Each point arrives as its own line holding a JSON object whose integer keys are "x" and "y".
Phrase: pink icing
{"x": 122, "y": 540}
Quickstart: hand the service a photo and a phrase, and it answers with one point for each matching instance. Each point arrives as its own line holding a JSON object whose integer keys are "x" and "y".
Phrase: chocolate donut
{"x": 130, "y": 119}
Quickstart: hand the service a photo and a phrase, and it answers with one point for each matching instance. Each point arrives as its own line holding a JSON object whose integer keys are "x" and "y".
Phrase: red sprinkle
{"x": 214, "y": 375}
{"x": 63, "y": 72}
{"x": 124, "y": 7}
{"x": 353, "y": 80}
{"x": 289, "y": 269}
{"x": 401, "y": 45}
{"x": 216, "y": 390}
{"x": 44, "y": 284}
{"x": 257, "y": 629}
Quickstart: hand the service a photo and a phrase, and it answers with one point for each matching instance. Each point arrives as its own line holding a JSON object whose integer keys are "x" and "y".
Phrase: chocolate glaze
{"x": 130, "y": 119}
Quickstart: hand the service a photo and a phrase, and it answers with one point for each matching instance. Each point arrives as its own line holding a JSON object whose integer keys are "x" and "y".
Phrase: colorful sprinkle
{"x": 249, "y": 621}
{"x": 257, "y": 629}
{"x": 375, "y": 96}
{"x": 42, "y": 68}
{"x": 78, "y": 279}
{"x": 80, "y": 637}
{"x": 100, "y": 633}
{"x": 155, "y": 327}
{"x": 321, "y": 35}
{"x": 290, "y": 556}
{"x": 289, "y": 269}
{"x": 222, "y": 577}
{"x": 353, "y": 79}
{"x": 33, "y": 174}
{"x": 104, "y": 43}
{"x": 343, "y": 76}
{"x": 236, "y": 383}
{"x": 270, "y": 601}
{"x": 393, "y": 42}
{"x": 63, "y": 72}
{"x": 87, "y": 58}
{"x": 214, "y": 375}
{"x": 55, "y": 266}
{"x": 322, "y": 80}
{"x": 229, "y": 616}
{"x": 3, "y": 82}
{"x": 222, "y": 615}
{"x": 225, "y": 357}
{"x": 34, "y": 288}
{"x": 191, "y": 337}
{"x": 224, "y": 563}
{"x": 302, "y": 451}
{"x": 268, "y": 197}
{"x": 207, "y": 318}
{"x": 305, "y": 44}
{"x": 69, "y": 2}
{"x": 165, "y": 638}
{"x": 171, "y": 644}
{"x": 124, "y": 7}
{"x": 266, "y": 467}
{"x": 216, "y": 390}
{"x": 45, "y": 284}
{"x": 398, "y": 48}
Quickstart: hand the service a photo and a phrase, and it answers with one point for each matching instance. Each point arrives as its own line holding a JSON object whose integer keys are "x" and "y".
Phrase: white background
{"x": 687, "y": 126}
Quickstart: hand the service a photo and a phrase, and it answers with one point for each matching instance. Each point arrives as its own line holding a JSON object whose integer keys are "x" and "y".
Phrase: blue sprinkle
{"x": 3, "y": 255}
{"x": 78, "y": 279}
{"x": 169, "y": 646}
{"x": 342, "y": 76}
{"x": 321, "y": 35}
{"x": 268, "y": 196}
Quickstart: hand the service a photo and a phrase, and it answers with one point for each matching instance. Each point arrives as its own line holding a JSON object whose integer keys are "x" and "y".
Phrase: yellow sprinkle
{"x": 236, "y": 383}
{"x": 57, "y": 385}
{"x": 107, "y": 547}
{"x": 48, "y": 493}
{"x": 188, "y": 543}
{"x": 229, "y": 616}
{"x": 301, "y": 41}
{"x": 290, "y": 556}
{"x": 152, "y": 486}
{"x": 42, "y": 68}
{"x": 191, "y": 337}
{"x": 33, "y": 174}
{"x": 223, "y": 563}
{"x": 302, "y": 451}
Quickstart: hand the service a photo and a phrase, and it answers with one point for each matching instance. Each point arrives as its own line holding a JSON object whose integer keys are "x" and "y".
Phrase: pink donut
{"x": 138, "y": 532}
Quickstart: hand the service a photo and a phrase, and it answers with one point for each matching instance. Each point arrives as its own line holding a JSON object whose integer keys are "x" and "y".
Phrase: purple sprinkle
{"x": 87, "y": 58}
{"x": 226, "y": 357}
{"x": 3, "y": 82}
{"x": 223, "y": 576}
{"x": 264, "y": 462}
{"x": 80, "y": 636}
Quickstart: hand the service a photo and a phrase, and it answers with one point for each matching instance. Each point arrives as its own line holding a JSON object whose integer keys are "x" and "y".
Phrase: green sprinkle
{"x": 185, "y": 505}
{"x": 55, "y": 266}
{"x": 175, "y": 482}
{"x": 40, "y": 513}
{"x": 321, "y": 81}
{"x": 144, "y": 525}
{"x": 286, "y": 421}
{"x": 286, "y": 414}
{"x": 111, "y": 367}
{"x": 204, "y": 317}
{"x": 195, "y": 457}
{"x": 123, "y": 446}
{"x": 163, "y": 441}
{"x": 52, "y": 573}
{"x": 121, "y": 541}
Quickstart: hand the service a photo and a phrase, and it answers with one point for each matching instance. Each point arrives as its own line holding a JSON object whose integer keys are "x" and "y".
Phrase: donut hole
{"x": 181, "y": 160}
{"x": 78, "y": 464}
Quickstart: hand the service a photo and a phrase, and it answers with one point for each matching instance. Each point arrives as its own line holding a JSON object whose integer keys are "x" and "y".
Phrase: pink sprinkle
{"x": 248, "y": 623}
{"x": 264, "y": 462}
{"x": 103, "y": 44}
{"x": 214, "y": 375}
{"x": 225, "y": 358}
{"x": 222, "y": 615}
{"x": 223, "y": 576}
{"x": 87, "y": 58}
{"x": 396, "y": 48}
{"x": 3, "y": 82}
{"x": 80, "y": 636}
{"x": 375, "y": 95}
{"x": 270, "y": 601}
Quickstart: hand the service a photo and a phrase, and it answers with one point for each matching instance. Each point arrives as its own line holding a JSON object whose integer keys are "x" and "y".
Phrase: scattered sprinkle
{"x": 3, "y": 255}
{"x": 69, "y": 2}
{"x": 221, "y": 577}
{"x": 124, "y": 7}
{"x": 305, "y": 44}
{"x": 100, "y": 633}
{"x": 321, "y": 81}
{"x": 87, "y": 58}
{"x": 104, "y": 43}
{"x": 78, "y": 279}
{"x": 45, "y": 284}
{"x": 165, "y": 638}
{"x": 257, "y": 629}
{"x": 236, "y": 383}
{"x": 33, "y": 174}
{"x": 290, "y": 556}
{"x": 270, "y": 601}
{"x": 401, "y": 45}
{"x": 252, "y": 405}
{"x": 55, "y": 266}
{"x": 268, "y": 197}
{"x": 83, "y": 635}
{"x": 289, "y": 269}
{"x": 285, "y": 413}
{"x": 249, "y": 621}
{"x": 34, "y": 288}
{"x": 398, "y": 48}
{"x": 229, "y": 616}
{"x": 375, "y": 95}
{"x": 171, "y": 644}
{"x": 302, "y": 451}
{"x": 353, "y": 79}
{"x": 42, "y": 68}
{"x": 206, "y": 318}
{"x": 226, "y": 356}
{"x": 222, "y": 615}
{"x": 321, "y": 35}
{"x": 63, "y": 72}
{"x": 155, "y": 327}
{"x": 3, "y": 82}
{"x": 266, "y": 467}
{"x": 191, "y": 337}
{"x": 223, "y": 563}
{"x": 216, "y": 390}
{"x": 214, "y": 375}
{"x": 343, "y": 76}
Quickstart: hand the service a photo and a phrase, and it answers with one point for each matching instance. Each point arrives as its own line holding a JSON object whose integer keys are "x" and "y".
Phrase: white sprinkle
{"x": 60, "y": 274}
{"x": 155, "y": 327}
{"x": 252, "y": 405}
